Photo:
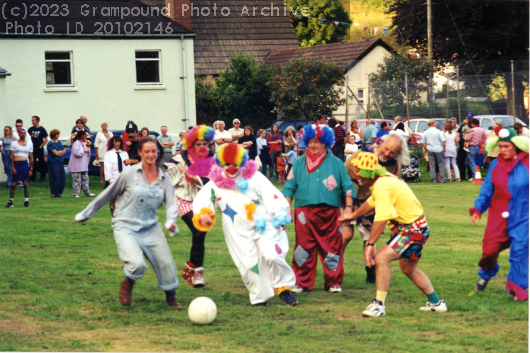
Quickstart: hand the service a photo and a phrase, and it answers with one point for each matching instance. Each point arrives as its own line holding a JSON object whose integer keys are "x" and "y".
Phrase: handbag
{"x": 258, "y": 161}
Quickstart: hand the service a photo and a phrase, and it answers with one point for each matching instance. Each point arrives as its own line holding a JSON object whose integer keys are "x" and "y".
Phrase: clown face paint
{"x": 231, "y": 170}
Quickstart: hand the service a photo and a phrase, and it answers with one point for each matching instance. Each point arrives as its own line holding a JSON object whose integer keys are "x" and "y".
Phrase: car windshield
{"x": 66, "y": 143}
{"x": 505, "y": 121}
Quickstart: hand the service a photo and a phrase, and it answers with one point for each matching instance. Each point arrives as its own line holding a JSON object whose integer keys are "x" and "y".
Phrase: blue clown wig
{"x": 321, "y": 132}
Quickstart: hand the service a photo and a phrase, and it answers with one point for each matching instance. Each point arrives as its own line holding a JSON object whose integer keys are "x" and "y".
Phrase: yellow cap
{"x": 366, "y": 161}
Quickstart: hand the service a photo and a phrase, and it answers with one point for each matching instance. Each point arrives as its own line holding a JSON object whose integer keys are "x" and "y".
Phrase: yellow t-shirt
{"x": 394, "y": 200}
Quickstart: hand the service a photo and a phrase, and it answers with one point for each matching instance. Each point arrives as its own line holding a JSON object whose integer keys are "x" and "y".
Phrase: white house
{"x": 360, "y": 59}
{"x": 113, "y": 61}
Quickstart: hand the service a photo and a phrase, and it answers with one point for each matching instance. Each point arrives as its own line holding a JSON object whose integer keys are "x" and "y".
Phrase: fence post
{"x": 368, "y": 104}
{"x": 447, "y": 97}
{"x": 513, "y": 94}
{"x": 458, "y": 93}
{"x": 407, "y": 94}
{"x": 347, "y": 112}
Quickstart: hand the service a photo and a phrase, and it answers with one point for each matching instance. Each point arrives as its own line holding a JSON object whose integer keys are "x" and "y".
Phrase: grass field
{"x": 60, "y": 282}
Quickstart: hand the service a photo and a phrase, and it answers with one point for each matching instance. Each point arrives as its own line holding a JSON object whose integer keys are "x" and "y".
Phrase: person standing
{"x": 340, "y": 134}
{"x": 451, "y": 139}
{"x": 476, "y": 137}
{"x": 167, "y": 144}
{"x": 521, "y": 130}
{"x": 236, "y": 132}
{"x": 79, "y": 126}
{"x": 39, "y": 139}
{"x": 178, "y": 146}
{"x": 5, "y": 149}
{"x": 100, "y": 144}
{"x": 248, "y": 140}
{"x": 504, "y": 194}
{"x": 356, "y": 132}
{"x": 319, "y": 184}
{"x": 189, "y": 172}
{"x": 221, "y": 135}
{"x": 132, "y": 135}
{"x": 461, "y": 154}
{"x": 289, "y": 139}
{"x": 274, "y": 141}
{"x": 370, "y": 133}
{"x": 56, "y": 172}
{"x": 140, "y": 191}
{"x": 397, "y": 207}
{"x": 78, "y": 165}
{"x": 384, "y": 130}
{"x": 434, "y": 142}
{"x": 21, "y": 154}
{"x": 114, "y": 159}
{"x": 263, "y": 152}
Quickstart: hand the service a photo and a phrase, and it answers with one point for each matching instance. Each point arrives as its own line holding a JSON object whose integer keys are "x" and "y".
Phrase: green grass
{"x": 60, "y": 281}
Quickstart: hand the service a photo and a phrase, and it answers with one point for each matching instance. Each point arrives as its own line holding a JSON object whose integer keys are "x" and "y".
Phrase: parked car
{"x": 419, "y": 125}
{"x": 284, "y": 124}
{"x": 363, "y": 123}
{"x": 92, "y": 169}
{"x": 486, "y": 121}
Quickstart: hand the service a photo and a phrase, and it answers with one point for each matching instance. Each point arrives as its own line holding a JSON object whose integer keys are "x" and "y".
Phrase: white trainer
{"x": 376, "y": 309}
{"x": 297, "y": 289}
{"x": 335, "y": 289}
{"x": 440, "y": 307}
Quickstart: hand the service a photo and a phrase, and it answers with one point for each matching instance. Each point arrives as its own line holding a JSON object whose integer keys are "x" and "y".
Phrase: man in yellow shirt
{"x": 397, "y": 207}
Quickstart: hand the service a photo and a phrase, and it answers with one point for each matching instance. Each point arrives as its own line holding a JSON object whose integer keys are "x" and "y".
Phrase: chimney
{"x": 180, "y": 11}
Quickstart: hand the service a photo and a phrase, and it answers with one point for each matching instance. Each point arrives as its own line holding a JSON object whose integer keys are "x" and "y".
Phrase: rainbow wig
{"x": 231, "y": 153}
{"x": 321, "y": 132}
{"x": 201, "y": 132}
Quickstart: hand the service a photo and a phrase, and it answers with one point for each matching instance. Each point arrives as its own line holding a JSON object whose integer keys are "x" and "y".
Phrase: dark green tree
{"x": 494, "y": 32}
{"x": 308, "y": 89}
{"x": 242, "y": 92}
{"x": 310, "y": 31}
{"x": 205, "y": 99}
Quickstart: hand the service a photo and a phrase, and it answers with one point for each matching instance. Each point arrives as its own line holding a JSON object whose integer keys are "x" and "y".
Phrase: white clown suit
{"x": 254, "y": 213}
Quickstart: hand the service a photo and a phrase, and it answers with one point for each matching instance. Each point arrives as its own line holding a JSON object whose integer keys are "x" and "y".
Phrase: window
{"x": 148, "y": 67}
{"x": 422, "y": 126}
{"x": 58, "y": 68}
{"x": 487, "y": 124}
{"x": 360, "y": 96}
{"x": 412, "y": 125}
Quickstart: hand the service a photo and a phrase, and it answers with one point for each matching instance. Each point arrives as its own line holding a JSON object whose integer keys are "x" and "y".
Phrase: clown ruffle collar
{"x": 221, "y": 181}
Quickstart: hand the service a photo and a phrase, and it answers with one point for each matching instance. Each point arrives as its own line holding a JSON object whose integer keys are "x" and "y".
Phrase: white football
{"x": 202, "y": 311}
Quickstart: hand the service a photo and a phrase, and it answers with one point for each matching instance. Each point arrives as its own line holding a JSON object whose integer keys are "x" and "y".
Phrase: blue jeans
{"x": 472, "y": 157}
{"x": 57, "y": 177}
{"x": 264, "y": 169}
{"x": 7, "y": 167}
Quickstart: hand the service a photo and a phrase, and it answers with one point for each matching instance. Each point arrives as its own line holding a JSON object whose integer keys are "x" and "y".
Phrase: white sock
{"x": 11, "y": 200}
{"x": 26, "y": 199}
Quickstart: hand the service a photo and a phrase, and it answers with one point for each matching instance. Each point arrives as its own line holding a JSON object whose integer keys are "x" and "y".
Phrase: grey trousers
{"x": 80, "y": 181}
{"x": 437, "y": 159}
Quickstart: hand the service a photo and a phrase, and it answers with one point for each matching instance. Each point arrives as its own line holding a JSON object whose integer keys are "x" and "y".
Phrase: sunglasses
{"x": 236, "y": 123}
{"x": 201, "y": 144}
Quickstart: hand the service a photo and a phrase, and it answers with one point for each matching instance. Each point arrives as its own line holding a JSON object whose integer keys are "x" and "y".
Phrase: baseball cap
{"x": 131, "y": 127}
{"x": 470, "y": 115}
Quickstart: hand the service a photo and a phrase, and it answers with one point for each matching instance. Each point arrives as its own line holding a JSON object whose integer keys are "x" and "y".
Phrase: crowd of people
{"x": 338, "y": 179}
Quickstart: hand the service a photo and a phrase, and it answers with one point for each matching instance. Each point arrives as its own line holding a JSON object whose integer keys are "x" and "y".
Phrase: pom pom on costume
{"x": 197, "y": 219}
{"x": 281, "y": 221}
{"x": 231, "y": 153}
{"x": 322, "y": 133}
{"x": 201, "y": 132}
{"x": 242, "y": 185}
{"x": 260, "y": 225}
{"x": 505, "y": 214}
{"x": 250, "y": 168}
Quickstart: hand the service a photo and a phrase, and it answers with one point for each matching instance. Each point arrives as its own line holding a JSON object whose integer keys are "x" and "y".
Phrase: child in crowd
{"x": 291, "y": 157}
{"x": 351, "y": 146}
{"x": 280, "y": 166}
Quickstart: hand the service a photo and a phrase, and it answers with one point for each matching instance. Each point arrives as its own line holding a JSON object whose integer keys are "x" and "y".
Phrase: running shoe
{"x": 481, "y": 284}
{"x": 335, "y": 289}
{"x": 440, "y": 307}
{"x": 10, "y": 204}
{"x": 26, "y": 203}
{"x": 375, "y": 309}
{"x": 288, "y": 298}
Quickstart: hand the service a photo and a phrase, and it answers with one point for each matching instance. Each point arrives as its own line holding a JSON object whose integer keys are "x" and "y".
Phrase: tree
{"x": 308, "y": 89}
{"x": 242, "y": 91}
{"x": 492, "y": 31}
{"x": 205, "y": 98}
{"x": 388, "y": 82}
{"x": 310, "y": 31}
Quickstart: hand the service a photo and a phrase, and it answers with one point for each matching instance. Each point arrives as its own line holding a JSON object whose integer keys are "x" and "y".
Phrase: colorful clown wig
{"x": 231, "y": 153}
{"x": 321, "y": 132}
{"x": 368, "y": 165}
{"x": 201, "y": 132}
{"x": 507, "y": 134}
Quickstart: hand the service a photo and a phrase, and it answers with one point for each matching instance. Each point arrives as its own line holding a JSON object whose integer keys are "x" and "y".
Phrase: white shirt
{"x": 111, "y": 164}
{"x": 21, "y": 151}
{"x": 218, "y": 134}
{"x": 101, "y": 144}
{"x": 28, "y": 140}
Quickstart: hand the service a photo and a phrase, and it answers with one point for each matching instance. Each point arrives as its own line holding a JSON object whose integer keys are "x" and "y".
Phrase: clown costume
{"x": 254, "y": 214}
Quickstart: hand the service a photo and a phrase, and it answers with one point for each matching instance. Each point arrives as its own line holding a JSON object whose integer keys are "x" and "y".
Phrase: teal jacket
{"x": 329, "y": 184}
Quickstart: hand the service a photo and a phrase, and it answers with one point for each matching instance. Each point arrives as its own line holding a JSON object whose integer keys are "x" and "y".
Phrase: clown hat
{"x": 321, "y": 132}
{"x": 231, "y": 153}
{"x": 201, "y": 132}
{"x": 507, "y": 134}
{"x": 368, "y": 165}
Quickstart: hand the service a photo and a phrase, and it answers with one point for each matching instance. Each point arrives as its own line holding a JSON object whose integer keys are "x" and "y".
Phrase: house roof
{"x": 218, "y": 36}
{"x": 92, "y": 18}
{"x": 346, "y": 53}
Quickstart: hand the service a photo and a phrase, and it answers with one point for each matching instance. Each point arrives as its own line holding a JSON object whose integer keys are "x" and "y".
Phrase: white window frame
{"x": 71, "y": 61}
{"x": 146, "y": 85}
{"x": 361, "y": 100}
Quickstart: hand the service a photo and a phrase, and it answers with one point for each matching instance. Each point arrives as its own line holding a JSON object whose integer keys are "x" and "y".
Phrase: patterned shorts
{"x": 408, "y": 239}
